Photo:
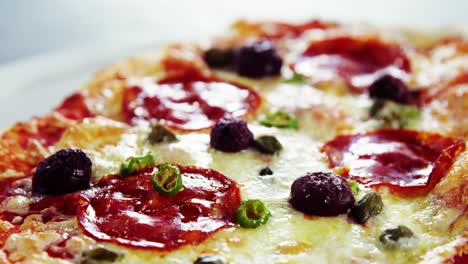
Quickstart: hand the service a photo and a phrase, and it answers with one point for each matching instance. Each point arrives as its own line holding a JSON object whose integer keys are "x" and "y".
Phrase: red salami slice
{"x": 358, "y": 61}
{"x": 407, "y": 162}
{"x": 131, "y": 212}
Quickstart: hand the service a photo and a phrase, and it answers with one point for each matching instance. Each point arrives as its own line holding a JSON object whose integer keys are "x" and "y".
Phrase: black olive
{"x": 219, "y": 58}
{"x": 265, "y": 171}
{"x": 390, "y": 238}
{"x": 66, "y": 171}
{"x": 257, "y": 59}
{"x": 370, "y": 205}
{"x": 160, "y": 134}
{"x": 267, "y": 144}
{"x": 230, "y": 135}
{"x": 99, "y": 255}
{"x": 209, "y": 259}
{"x": 390, "y": 88}
{"x": 321, "y": 193}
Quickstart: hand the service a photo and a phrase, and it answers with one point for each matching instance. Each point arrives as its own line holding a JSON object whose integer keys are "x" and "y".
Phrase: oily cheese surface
{"x": 438, "y": 220}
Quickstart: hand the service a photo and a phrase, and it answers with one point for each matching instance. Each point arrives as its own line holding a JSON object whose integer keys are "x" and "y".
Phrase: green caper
{"x": 390, "y": 238}
{"x": 219, "y": 58}
{"x": 100, "y": 255}
{"x": 370, "y": 205}
{"x": 209, "y": 259}
{"x": 267, "y": 144}
{"x": 160, "y": 134}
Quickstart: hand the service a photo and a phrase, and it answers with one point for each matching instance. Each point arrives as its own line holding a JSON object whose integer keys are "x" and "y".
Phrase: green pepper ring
{"x": 258, "y": 207}
{"x": 280, "y": 119}
{"x": 177, "y": 184}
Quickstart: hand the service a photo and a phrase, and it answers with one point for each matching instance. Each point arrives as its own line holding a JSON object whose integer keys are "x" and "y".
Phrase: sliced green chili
{"x": 167, "y": 180}
{"x": 296, "y": 78}
{"x": 354, "y": 187}
{"x": 252, "y": 214}
{"x": 394, "y": 115}
{"x": 134, "y": 165}
{"x": 280, "y": 119}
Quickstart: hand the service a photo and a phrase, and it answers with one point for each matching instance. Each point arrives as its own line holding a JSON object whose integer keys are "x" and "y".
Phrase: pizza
{"x": 312, "y": 142}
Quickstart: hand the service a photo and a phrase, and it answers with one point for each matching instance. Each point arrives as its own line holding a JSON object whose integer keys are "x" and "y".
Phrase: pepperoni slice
{"x": 407, "y": 162}
{"x": 187, "y": 104}
{"x": 132, "y": 213}
{"x": 358, "y": 61}
{"x": 278, "y": 30}
{"x": 74, "y": 107}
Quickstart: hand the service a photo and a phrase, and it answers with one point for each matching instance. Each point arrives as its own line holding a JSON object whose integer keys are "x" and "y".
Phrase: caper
{"x": 209, "y": 259}
{"x": 219, "y": 58}
{"x": 267, "y": 144}
{"x": 160, "y": 134}
{"x": 265, "y": 171}
{"x": 100, "y": 255}
{"x": 390, "y": 238}
{"x": 370, "y": 205}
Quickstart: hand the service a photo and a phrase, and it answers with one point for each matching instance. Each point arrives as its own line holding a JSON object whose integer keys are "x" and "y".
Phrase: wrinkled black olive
{"x": 219, "y": 58}
{"x": 257, "y": 59}
{"x": 66, "y": 171}
{"x": 390, "y": 88}
{"x": 267, "y": 144}
{"x": 370, "y": 205}
{"x": 230, "y": 135}
{"x": 265, "y": 171}
{"x": 160, "y": 134}
{"x": 99, "y": 255}
{"x": 321, "y": 193}
{"x": 209, "y": 259}
{"x": 390, "y": 238}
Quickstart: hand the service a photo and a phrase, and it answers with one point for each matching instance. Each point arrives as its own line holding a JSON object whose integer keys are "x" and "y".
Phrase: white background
{"x": 49, "y": 47}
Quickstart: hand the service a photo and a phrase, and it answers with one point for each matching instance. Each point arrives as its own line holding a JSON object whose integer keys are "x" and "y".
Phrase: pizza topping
{"x": 209, "y": 259}
{"x": 99, "y": 255}
{"x": 129, "y": 212}
{"x": 370, "y": 205}
{"x": 187, "y": 102}
{"x": 74, "y": 107}
{"x": 295, "y": 79}
{"x": 134, "y": 165}
{"x": 66, "y": 171}
{"x": 265, "y": 171}
{"x": 321, "y": 193}
{"x": 219, "y": 58}
{"x": 258, "y": 58}
{"x": 167, "y": 180}
{"x": 407, "y": 162}
{"x": 231, "y": 135}
{"x": 390, "y": 88}
{"x": 160, "y": 134}
{"x": 394, "y": 115}
{"x": 267, "y": 144}
{"x": 280, "y": 119}
{"x": 354, "y": 187}
{"x": 358, "y": 61}
{"x": 252, "y": 214}
{"x": 393, "y": 238}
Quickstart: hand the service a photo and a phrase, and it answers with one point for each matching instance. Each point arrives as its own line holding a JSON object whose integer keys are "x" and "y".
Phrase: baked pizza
{"x": 313, "y": 142}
